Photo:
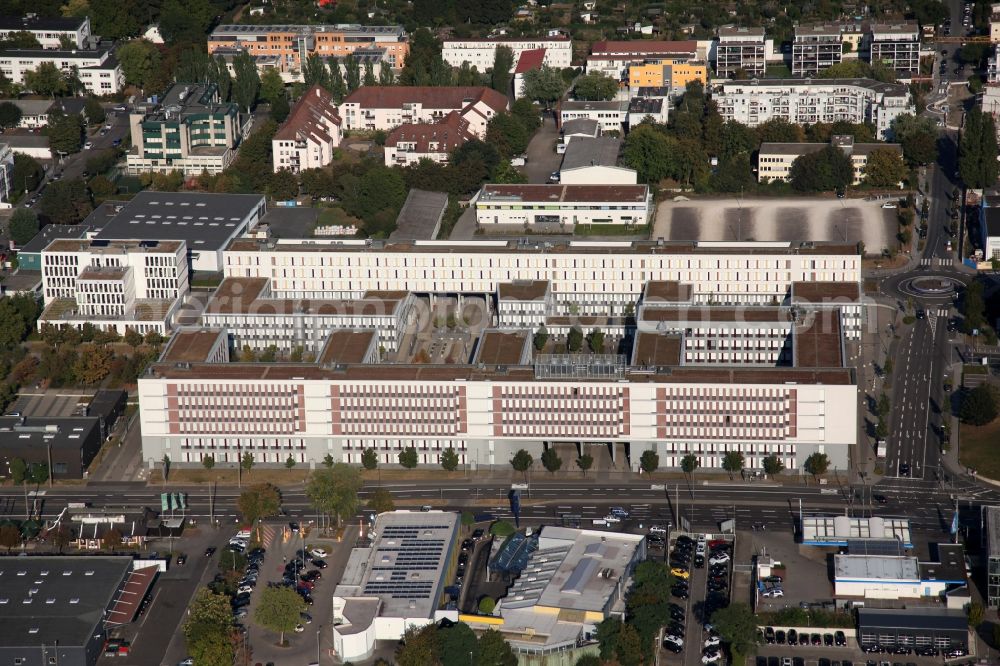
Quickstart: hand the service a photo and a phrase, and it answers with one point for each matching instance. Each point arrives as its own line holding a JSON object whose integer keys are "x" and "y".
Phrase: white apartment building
{"x": 310, "y": 134}
{"x": 740, "y": 49}
{"x": 408, "y": 144}
{"x": 613, "y": 58}
{"x": 481, "y": 53}
{"x": 98, "y": 70}
{"x": 775, "y": 160}
{"x": 563, "y": 205}
{"x": 595, "y": 277}
{"x": 815, "y": 48}
{"x": 611, "y": 115}
{"x": 385, "y": 107}
{"x": 114, "y": 285}
{"x": 257, "y": 317}
{"x": 814, "y": 101}
{"x": 6, "y": 173}
{"x": 49, "y": 31}
{"x": 896, "y": 45}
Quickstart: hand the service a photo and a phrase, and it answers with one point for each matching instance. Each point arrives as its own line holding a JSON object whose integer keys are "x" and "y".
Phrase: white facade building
{"x": 775, "y": 160}
{"x": 611, "y": 115}
{"x": 98, "y": 70}
{"x": 310, "y": 134}
{"x": 481, "y": 53}
{"x": 564, "y": 205}
{"x": 740, "y": 50}
{"x": 408, "y": 144}
{"x": 6, "y": 174}
{"x": 115, "y": 285}
{"x": 385, "y": 107}
{"x": 812, "y": 101}
{"x": 51, "y": 32}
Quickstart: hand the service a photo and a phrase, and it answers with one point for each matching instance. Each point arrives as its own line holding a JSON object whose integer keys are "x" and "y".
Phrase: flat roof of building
{"x": 823, "y": 292}
{"x": 251, "y": 296}
{"x": 523, "y": 290}
{"x": 347, "y": 346}
{"x": 818, "y": 30}
{"x": 741, "y": 31}
{"x": 573, "y": 570}
{"x": 772, "y": 148}
{"x": 666, "y": 291}
{"x": 584, "y": 105}
{"x": 643, "y": 47}
{"x": 817, "y": 340}
{"x": 883, "y": 568}
{"x": 586, "y": 151}
{"x": 354, "y": 29}
{"x": 949, "y": 567}
{"x": 546, "y": 246}
{"x": 894, "y": 28}
{"x": 80, "y": 588}
{"x": 993, "y": 530}
{"x": 913, "y": 619}
{"x": 717, "y": 314}
{"x": 991, "y": 218}
{"x": 564, "y": 193}
{"x": 502, "y": 347}
{"x": 30, "y": 107}
{"x": 839, "y": 530}
{"x": 656, "y": 349}
{"x": 896, "y": 89}
{"x": 51, "y": 232}
{"x": 68, "y": 432}
{"x": 420, "y": 217}
{"x": 586, "y": 126}
{"x": 405, "y": 564}
{"x": 192, "y": 345}
{"x": 646, "y": 105}
{"x": 117, "y": 246}
{"x": 206, "y": 221}
{"x": 36, "y": 22}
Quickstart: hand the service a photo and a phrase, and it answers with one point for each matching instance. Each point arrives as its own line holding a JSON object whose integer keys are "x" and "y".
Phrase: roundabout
{"x": 930, "y": 286}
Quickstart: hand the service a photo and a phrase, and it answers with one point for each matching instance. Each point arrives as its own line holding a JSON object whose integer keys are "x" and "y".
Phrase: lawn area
{"x": 336, "y": 216}
{"x": 611, "y": 230}
{"x": 978, "y": 448}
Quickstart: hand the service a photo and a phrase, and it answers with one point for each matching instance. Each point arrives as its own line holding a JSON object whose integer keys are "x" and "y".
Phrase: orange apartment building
{"x": 286, "y": 47}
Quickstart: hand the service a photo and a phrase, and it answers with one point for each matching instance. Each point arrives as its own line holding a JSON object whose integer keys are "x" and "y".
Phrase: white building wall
{"x": 482, "y": 53}
{"x": 598, "y": 175}
{"x": 50, "y": 38}
{"x": 97, "y": 77}
{"x": 610, "y": 121}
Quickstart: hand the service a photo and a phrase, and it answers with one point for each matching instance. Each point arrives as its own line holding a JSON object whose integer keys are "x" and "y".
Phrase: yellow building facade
{"x": 666, "y": 73}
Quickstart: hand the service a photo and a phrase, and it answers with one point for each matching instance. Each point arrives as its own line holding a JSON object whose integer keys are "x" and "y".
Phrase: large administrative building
{"x": 711, "y": 348}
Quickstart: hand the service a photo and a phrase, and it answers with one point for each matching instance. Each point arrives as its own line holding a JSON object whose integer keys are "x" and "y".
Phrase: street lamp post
{"x": 318, "y": 630}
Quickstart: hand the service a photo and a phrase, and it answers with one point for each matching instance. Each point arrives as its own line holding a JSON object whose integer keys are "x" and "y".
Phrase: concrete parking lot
{"x": 807, "y": 575}
{"x": 542, "y": 156}
{"x": 785, "y": 219}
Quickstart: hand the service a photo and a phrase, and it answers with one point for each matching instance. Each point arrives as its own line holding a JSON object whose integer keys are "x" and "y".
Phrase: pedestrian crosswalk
{"x": 936, "y": 262}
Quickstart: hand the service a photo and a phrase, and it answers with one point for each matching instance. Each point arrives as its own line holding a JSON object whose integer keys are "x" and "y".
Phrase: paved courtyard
{"x": 735, "y": 218}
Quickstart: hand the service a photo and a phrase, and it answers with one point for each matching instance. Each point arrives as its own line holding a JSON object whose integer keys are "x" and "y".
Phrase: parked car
{"x": 711, "y": 656}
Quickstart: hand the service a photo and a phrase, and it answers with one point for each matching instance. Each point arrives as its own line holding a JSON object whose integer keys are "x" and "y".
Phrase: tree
{"x": 544, "y": 85}
{"x": 111, "y": 539}
{"x": 408, "y": 457}
{"x": 979, "y": 407}
{"x": 976, "y": 613}
{"x": 314, "y": 73}
{"x": 881, "y": 428}
{"x": 521, "y": 462}
{"x": 494, "y": 650}
{"x": 506, "y": 174}
{"x": 272, "y": 87}
{"x": 18, "y": 471}
{"x": 595, "y": 86}
{"x": 208, "y": 462}
{"x": 65, "y": 132}
{"x": 817, "y": 463}
{"x": 61, "y": 537}
{"x": 506, "y": 132}
{"x": 827, "y": 169}
{"x": 165, "y": 462}
{"x": 486, "y": 606}
{"x": 369, "y": 459}
{"x": 773, "y": 465}
{"x": 918, "y": 137}
{"x": 185, "y": 21}
{"x": 27, "y": 172}
{"x": 551, "y": 460}
{"x": 977, "y": 150}
{"x": 369, "y": 77}
{"x": 574, "y": 339}
{"x": 334, "y": 491}
{"x": 419, "y": 647}
{"x": 94, "y": 111}
{"x": 10, "y": 115}
{"x": 737, "y": 626}
{"x": 139, "y": 60}
{"x": 246, "y": 80}
{"x": 247, "y": 462}
{"x": 885, "y": 168}
{"x": 649, "y": 462}
{"x": 290, "y": 461}
{"x": 282, "y": 185}
{"x": 540, "y": 338}
{"x": 385, "y": 76}
{"x": 10, "y": 536}
{"x": 883, "y": 406}
{"x": 689, "y": 464}
{"x": 733, "y": 462}
{"x": 381, "y": 501}
{"x": 218, "y": 73}
{"x": 650, "y": 152}
{"x": 279, "y": 609}
{"x": 23, "y": 225}
{"x": 585, "y": 462}
{"x": 352, "y": 73}
{"x": 629, "y": 649}
{"x": 207, "y": 629}
{"x": 328, "y": 461}
{"x": 338, "y": 87}
{"x": 503, "y": 63}
{"x": 92, "y": 367}
{"x": 46, "y": 79}
{"x": 449, "y": 459}
{"x": 262, "y": 500}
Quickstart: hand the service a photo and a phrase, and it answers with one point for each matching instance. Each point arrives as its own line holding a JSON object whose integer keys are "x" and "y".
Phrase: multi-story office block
{"x": 115, "y": 285}
{"x": 740, "y": 50}
{"x": 481, "y": 53}
{"x": 51, "y": 32}
{"x": 287, "y": 47}
{"x": 563, "y": 205}
{"x": 896, "y": 45}
{"x": 310, "y": 134}
{"x": 98, "y": 69}
{"x": 775, "y": 160}
{"x": 815, "y": 48}
{"x": 815, "y": 101}
{"x": 188, "y": 130}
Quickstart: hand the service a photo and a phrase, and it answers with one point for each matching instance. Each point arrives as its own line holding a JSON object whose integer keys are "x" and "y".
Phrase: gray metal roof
{"x": 205, "y": 221}
{"x": 993, "y": 512}
{"x": 67, "y": 432}
{"x": 49, "y": 599}
{"x": 991, "y": 221}
{"x": 31, "y": 107}
{"x": 918, "y": 619}
{"x": 51, "y": 232}
{"x": 584, "y": 151}
{"x": 420, "y": 217}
